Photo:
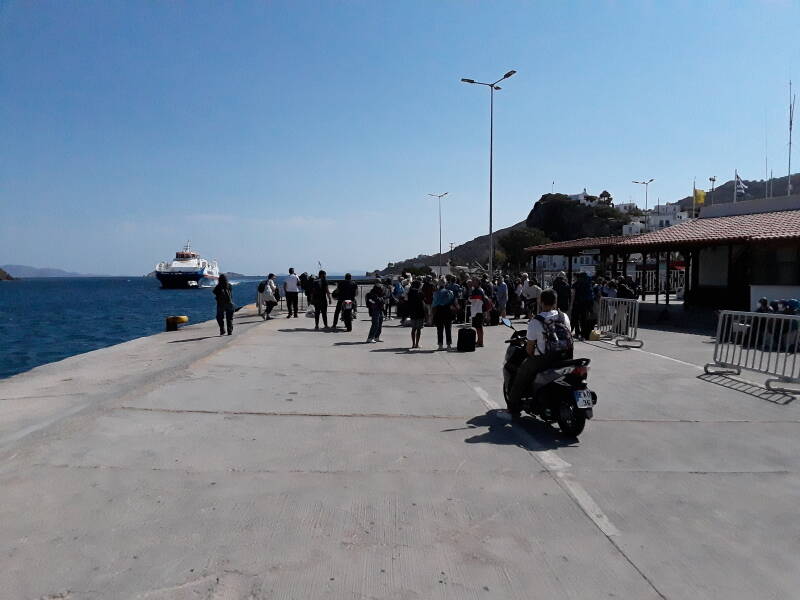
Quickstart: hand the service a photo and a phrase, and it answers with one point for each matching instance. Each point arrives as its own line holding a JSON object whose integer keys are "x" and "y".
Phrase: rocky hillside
{"x": 465, "y": 254}
{"x": 5, "y": 276}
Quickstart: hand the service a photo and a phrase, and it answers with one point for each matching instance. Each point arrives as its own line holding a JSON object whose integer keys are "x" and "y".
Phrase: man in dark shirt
{"x": 345, "y": 290}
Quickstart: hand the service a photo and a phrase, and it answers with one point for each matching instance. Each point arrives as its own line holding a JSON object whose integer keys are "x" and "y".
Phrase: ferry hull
{"x": 179, "y": 280}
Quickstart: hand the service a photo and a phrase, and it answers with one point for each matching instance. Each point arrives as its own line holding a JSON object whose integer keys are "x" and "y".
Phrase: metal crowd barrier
{"x": 619, "y": 321}
{"x": 761, "y": 342}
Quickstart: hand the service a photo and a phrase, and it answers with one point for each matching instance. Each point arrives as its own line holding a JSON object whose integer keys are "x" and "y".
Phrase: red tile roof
{"x": 760, "y": 226}
{"x": 697, "y": 232}
{"x": 571, "y": 246}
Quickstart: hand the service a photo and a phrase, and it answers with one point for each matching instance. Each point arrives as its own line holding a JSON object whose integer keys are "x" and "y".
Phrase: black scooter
{"x": 558, "y": 394}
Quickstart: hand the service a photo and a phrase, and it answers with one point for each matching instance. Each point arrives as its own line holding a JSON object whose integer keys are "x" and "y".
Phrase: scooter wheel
{"x": 571, "y": 419}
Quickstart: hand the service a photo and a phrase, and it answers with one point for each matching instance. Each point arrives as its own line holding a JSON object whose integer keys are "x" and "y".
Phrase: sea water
{"x": 44, "y": 320}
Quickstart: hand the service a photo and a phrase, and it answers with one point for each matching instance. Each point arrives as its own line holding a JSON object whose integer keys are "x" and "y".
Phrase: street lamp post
{"x": 440, "y": 196}
{"x": 713, "y": 180}
{"x": 646, "y": 184}
{"x": 492, "y": 87}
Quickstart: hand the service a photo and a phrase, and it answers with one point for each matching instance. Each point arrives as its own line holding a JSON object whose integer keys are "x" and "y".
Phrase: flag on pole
{"x": 740, "y": 187}
{"x": 700, "y": 196}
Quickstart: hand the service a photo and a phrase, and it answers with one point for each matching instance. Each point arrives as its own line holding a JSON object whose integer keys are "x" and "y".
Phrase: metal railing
{"x": 761, "y": 342}
{"x": 619, "y": 321}
{"x": 647, "y": 280}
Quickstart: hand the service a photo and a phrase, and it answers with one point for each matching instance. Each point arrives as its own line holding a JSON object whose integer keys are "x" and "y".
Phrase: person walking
{"x": 270, "y": 296}
{"x": 428, "y": 290}
{"x": 443, "y": 305}
{"x": 501, "y": 295}
{"x": 582, "y": 300}
{"x": 291, "y": 287}
{"x": 563, "y": 291}
{"x": 375, "y": 305}
{"x": 262, "y": 286}
{"x": 531, "y": 295}
{"x": 345, "y": 290}
{"x": 320, "y": 297}
{"x": 477, "y": 298}
{"x": 415, "y": 308}
{"x": 223, "y": 292}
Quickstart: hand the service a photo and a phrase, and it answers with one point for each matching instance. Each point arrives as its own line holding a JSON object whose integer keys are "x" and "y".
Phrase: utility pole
{"x": 440, "y": 196}
{"x": 646, "y": 184}
{"x": 791, "y": 122}
{"x": 713, "y": 180}
{"x": 492, "y": 87}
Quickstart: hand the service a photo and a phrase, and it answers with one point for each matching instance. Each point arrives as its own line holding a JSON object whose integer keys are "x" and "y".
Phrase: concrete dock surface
{"x": 286, "y": 463}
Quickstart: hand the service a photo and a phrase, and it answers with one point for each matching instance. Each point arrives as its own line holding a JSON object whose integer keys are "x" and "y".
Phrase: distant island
{"x": 25, "y": 272}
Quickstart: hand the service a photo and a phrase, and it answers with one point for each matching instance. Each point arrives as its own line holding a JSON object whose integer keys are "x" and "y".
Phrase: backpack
{"x": 557, "y": 338}
{"x": 262, "y": 286}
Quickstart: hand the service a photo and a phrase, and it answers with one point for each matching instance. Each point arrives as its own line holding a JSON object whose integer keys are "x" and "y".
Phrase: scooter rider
{"x": 346, "y": 290}
{"x": 535, "y": 347}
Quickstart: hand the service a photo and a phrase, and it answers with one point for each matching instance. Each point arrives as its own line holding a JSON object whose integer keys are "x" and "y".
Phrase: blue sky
{"x": 282, "y": 133}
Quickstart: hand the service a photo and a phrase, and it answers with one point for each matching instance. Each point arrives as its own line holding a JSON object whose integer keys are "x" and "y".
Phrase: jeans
{"x": 225, "y": 316}
{"x": 377, "y": 325}
{"x": 444, "y": 324}
{"x": 523, "y": 381}
{"x": 291, "y": 303}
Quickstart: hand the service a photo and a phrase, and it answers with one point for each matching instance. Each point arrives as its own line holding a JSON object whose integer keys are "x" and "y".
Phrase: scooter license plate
{"x": 583, "y": 398}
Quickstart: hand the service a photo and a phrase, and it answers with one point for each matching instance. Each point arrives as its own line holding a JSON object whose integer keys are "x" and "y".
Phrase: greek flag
{"x": 741, "y": 188}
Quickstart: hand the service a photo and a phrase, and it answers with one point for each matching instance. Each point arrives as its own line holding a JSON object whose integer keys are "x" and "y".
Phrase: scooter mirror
{"x": 506, "y": 322}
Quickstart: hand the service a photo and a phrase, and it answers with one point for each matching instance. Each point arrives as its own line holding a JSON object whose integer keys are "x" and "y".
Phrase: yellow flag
{"x": 700, "y": 196}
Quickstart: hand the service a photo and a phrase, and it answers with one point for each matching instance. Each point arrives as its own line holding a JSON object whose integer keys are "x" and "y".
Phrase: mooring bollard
{"x": 173, "y": 322}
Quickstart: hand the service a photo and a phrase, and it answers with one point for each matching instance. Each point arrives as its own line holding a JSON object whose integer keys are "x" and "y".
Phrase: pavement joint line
{"x": 677, "y": 360}
{"x": 288, "y": 414}
{"x": 699, "y": 421}
{"x": 575, "y": 491}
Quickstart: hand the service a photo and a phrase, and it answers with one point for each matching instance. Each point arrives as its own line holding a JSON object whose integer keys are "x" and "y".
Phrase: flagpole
{"x": 735, "y": 184}
{"x": 694, "y": 197}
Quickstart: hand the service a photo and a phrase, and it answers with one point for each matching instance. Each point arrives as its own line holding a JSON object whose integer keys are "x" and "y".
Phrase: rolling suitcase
{"x": 494, "y": 317}
{"x": 466, "y": 339}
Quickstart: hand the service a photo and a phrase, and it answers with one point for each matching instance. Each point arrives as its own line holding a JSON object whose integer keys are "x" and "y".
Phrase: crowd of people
{"x": 428, "y": 301}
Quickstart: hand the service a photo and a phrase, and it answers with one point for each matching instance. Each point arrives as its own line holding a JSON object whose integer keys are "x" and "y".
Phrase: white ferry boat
{"x": 187, "y": 269}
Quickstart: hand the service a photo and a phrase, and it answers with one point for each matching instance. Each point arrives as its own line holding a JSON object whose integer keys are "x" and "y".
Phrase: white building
{"x": 626, "y": 207}
{"x": 583, "y": 198}
{"x": 660, "y": 217}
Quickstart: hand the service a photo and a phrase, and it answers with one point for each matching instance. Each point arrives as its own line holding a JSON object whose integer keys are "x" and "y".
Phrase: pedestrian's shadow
{"x": 295, "y": 329}
{"x": 528, "y": 433}
{"x": 197, "y": 339}
{"x": 404, "y": 351}
{"x": 349, "y": 343}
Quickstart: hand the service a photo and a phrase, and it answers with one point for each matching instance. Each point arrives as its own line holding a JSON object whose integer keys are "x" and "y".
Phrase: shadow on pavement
{"x": 606, "y": 346}
{"x": 404, "y": 350}
{"x": 197, "y": 339}
{"x": 747, "y": 388}
{"x": 540, "y": 435}
{"x": 246, "y": 322}
{"x": 294, "y": 329}
{"x": 361, "y": 343}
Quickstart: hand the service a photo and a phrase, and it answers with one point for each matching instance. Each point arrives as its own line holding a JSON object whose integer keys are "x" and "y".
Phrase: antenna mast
{"x": 791, "y": 122}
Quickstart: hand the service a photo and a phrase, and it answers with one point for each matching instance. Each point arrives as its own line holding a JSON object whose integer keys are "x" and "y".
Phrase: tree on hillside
{"x": 605, "y": 198}
{"x": 561, "y": 218}
{"x": 515, "y": 241}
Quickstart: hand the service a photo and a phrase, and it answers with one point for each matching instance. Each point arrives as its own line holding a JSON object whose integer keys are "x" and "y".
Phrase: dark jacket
{"x": 319, "y": 292}
{"x": 347, "y": 290}
{"x": 224, "y": 296}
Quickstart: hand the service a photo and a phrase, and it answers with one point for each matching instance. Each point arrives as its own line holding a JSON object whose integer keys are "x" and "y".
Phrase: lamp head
{"x": 509, "y": 74}
{"x": 467, "y": 80}
{"x": 497, "y": 87}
